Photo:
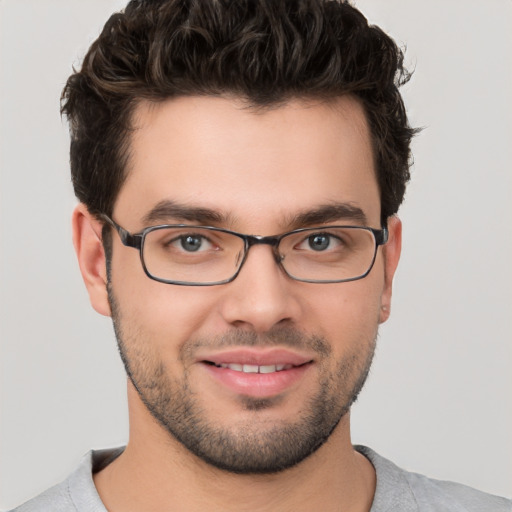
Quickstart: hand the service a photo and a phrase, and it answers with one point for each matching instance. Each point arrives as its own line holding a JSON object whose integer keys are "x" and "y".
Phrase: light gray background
{"x": 438, "y": 400}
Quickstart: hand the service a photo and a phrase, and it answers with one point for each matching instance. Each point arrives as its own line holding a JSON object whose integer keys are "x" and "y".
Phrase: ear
{"x": 91, "y": 257}
{"x": 391, "y": 253}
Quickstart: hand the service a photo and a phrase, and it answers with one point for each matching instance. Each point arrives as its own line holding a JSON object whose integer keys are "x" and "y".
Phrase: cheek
{"x": 165, "y": 314}
{"x": 346, "y": 314}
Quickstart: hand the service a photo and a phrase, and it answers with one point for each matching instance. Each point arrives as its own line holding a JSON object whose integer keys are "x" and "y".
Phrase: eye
{"x": 191, "y": 243}
{"x": 320, "y": 242}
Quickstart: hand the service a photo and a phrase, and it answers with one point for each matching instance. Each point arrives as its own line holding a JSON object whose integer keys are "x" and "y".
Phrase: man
{"x": 239, "y": 168}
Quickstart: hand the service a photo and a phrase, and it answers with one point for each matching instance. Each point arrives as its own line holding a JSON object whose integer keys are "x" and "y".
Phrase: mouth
{"x": 255, "y": 373}
{"x": 253, "y": 368}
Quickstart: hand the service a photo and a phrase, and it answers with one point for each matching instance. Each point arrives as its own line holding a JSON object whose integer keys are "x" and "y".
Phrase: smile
{"x": 253, "y": 368}
{"x": 257, "y": 378}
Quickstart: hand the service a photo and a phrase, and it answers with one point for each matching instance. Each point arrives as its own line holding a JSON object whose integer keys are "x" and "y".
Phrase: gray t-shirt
{"x": 397, "y": 490}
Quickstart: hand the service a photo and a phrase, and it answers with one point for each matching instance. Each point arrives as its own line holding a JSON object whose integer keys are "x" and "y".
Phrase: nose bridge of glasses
{"x": 273, "y": 241}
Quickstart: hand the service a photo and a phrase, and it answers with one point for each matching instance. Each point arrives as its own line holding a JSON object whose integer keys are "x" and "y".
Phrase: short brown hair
{"x": 265, "y": 52}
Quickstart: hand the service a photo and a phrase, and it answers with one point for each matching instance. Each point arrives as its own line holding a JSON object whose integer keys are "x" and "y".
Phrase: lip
{"x": 256, "y": 357}
{"x": 257, "y": 385}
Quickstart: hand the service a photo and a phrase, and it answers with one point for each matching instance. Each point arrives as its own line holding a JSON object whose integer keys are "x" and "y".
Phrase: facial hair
{"x": 251, "y": 447}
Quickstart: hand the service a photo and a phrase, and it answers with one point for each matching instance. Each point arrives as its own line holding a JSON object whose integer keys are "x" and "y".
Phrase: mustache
{"x": 278, "y": 336}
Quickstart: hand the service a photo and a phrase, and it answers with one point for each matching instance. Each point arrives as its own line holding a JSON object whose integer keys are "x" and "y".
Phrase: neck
{"x": 156, "y": 472}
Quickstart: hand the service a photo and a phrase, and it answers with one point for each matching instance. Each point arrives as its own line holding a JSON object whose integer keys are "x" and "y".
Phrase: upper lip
{"x": 256, "y": 357}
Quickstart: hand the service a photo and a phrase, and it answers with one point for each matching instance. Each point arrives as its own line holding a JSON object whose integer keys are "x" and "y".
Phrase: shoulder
{"x": 400, "y": 490}
{"x": 460, "y": 497}
{"x": 77, "y": 493}
{"x": 55, "y": 499}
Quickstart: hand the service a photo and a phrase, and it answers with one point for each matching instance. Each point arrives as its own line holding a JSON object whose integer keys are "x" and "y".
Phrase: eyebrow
{"x": 328, "y": 213}
{"x": 167, "y": 210}
{"x": 170, "y": 211}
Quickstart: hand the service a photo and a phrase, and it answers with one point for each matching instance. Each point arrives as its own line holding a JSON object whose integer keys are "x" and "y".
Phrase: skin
{"x": 258, "y": 169}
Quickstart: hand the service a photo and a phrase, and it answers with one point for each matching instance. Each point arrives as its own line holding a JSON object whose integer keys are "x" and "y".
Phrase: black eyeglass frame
{"x": 136, "y": 240}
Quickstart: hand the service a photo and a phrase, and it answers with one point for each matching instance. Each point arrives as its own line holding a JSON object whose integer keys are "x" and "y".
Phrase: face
{"x": 254, "y": 375}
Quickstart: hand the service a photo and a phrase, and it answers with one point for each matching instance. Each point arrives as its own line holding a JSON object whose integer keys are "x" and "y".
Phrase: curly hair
{"x": 265, "y": 52}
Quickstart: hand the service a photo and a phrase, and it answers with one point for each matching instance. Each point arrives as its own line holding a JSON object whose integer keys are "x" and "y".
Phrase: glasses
{"x": 205, "y": 256}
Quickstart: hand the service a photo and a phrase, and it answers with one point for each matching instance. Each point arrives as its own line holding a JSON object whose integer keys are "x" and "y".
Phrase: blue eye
{"x": 319, "y": 242}
{"x": 191, "y": 243}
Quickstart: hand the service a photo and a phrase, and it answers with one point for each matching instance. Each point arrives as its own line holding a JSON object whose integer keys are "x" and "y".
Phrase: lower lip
{"x": 259, "y": 385}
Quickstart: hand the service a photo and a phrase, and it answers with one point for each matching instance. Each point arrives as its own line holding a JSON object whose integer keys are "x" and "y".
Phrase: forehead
{"x": 252, "y": 166}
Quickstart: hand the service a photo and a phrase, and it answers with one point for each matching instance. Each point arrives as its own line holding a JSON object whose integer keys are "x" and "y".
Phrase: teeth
{"x": 250, "y": 368}
{"x": 236, "y": 367}
{"x": 254, "y": 368}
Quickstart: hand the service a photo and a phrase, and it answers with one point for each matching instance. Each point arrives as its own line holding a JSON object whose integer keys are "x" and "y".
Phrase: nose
{"x": 262, "y": 296}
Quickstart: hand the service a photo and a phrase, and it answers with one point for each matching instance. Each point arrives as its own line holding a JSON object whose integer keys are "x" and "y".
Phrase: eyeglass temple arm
{"x": 126, "y": 237}
{"x": 381, "y": 235}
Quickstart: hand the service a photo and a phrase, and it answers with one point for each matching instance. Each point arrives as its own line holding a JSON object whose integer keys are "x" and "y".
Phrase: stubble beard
{"x": 253, "y": 447}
